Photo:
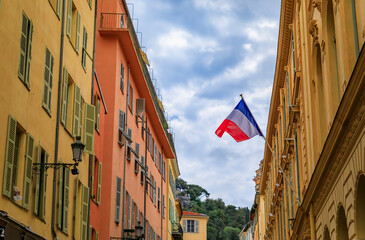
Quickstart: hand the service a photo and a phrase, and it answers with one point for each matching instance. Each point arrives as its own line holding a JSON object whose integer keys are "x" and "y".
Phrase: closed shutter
{"x": 124, "y": 205}
{"x": 184, "y": 226}
{"x": 122, "y": 76}
{"x": 132, "y": 215}
{"x": 90, "y": 2}
{"x": 163, "y": 206}
{"x": 28, "y": 171}
{"x": 43, "y": 189}
{"x": 117, "y": 200}
{"x": 78, "y": 20}
{"x": 69, "y": 18}
{"x": 9, "y": 156}
{"x": 128, "y": 91}
{"x": 29, "y": 55}
{"x": 97, "y": 114}
{"x": 48, "y": 74}
{"x": 58, "y": 7}
{"x": 98, "y": 196}
{"x": 60, "y": 197}
{"x": 76, "y": 114}
{"x": 84, "y": 211}
{"x": 76, "y": 199}
{"x": 23, "y": 48}
{"x": 66, "y": 195}
{"x": 196, "y": 226}
{"x": 92, "y": 177}
{"x": 132, "y": 100}
{"x": 37, "y": 181}
{"x": 121, "y": 120}
{"x": 84, "y": 46}
{"x": 154, "y": 192}
{"x": 96, "y": 235}
{"x": 64, "y": 96}
{"x": 136, "y": 216}
{"x": 81, "y": 115}
{"x": 89, "y": 128}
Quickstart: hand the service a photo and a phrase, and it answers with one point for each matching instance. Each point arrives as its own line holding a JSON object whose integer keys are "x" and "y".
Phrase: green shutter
{"x": 98, "y": 196}
{"x": 132, "y": 100}
{"x": 97, "y": 115}
{"x": 60, "y": 197}
{"x": 82, "y": 101}
{"x": 92, "y": 177}
{"x": 117, "y": 200}
{"x": 29, "y": 51}
{"x": 69, "y": 18}
{"x": 48, "y": 74}
{"x": 37, "y": 180}
{"x": 9, "y": 156}
{"x": 90, "y": 231}
{"x": 28, "y": 171}
{"x": 84, "y": 211}
{"x": 58, "y": 10}
{"x": 66, "y": 193}
{"x": 96, "y": 235}
{"x": 89, "y": 128}
{"x": 23, "y": 48}
{"x": 76, "y": 114}
{"x": 184, "y": 226}
{"x": 78, "y": 20}
{"x": 84, "y": 45}
{"x": 64, "y": 96}
{"x": 44, "y": 187}
{"x": 196, "y": 226}
{"x": 75, "y": 207}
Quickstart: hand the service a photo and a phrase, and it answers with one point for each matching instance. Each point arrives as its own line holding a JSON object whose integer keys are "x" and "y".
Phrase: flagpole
{"x": 272, "y": 153}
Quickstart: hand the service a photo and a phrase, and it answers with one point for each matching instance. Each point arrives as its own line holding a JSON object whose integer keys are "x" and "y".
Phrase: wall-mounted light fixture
{"x": 77, "y": 151}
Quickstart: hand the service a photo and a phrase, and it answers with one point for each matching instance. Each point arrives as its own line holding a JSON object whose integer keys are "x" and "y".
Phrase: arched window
{"x": 342, "y": 231}
{"x": 360, "y": 208}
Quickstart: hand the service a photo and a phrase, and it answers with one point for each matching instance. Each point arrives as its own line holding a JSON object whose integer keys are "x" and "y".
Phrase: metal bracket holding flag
{"x": 241, "y": 125}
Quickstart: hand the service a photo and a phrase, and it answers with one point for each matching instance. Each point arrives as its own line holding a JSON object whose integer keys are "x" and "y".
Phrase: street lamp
{"x": 137, "y": 232}
{"x": 77, "y": 151}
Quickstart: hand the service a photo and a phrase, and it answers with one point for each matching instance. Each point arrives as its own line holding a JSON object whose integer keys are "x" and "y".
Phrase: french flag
{"x": 240, "y": 124}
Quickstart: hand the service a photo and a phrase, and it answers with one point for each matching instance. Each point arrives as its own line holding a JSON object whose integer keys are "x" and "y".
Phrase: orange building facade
{"x": 132, "y": 142}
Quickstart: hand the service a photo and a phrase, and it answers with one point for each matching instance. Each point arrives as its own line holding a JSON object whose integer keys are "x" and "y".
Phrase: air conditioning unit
{"x": 140, "y": 108}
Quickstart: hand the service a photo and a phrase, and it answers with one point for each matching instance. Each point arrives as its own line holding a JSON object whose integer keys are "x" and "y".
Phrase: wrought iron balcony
{"x": 177, "y": 231}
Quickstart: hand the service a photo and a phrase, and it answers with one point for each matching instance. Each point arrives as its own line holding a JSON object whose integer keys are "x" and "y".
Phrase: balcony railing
{"x": 177, "y": 231}
{"x": 113, "y": 21}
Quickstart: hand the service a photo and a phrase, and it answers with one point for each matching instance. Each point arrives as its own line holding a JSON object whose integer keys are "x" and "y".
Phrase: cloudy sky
{"x": 204, "y": 54}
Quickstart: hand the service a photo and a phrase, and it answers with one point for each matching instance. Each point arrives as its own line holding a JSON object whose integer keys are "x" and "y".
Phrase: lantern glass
{"x": 138, "y": 230}
{"x": 77, "y": 149}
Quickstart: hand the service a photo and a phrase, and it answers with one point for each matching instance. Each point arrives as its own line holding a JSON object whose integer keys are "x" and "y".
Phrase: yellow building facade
{"x": 313, "y": 176}
{"x": 46, "y": 50}
{"x": 174, "y": 208}
{"x": 194, "y": 225}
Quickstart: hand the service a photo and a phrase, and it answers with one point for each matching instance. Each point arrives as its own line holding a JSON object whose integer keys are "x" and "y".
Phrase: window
{"x": 129, "y": 147}
{"x": 117, "y": 200}
{"x": 84, "y": 212}
{"x": 97, "y": 113}
{"x": 96, "y": 171}
{"x": 40, "y": 185}
{"x": 73, "y": 25}
{"x": 159, "y": 199}
{"x": 84, "y": 48}
{"x": 63, "y": 198}
{"x": 192, "y": 226}
{"x": 297, "y": 162}
{"x": 122, "y": 77}
{"x": 154, "y": 191}
{"x": 25, "y": 50}
{"x": 171, "y": 211}
{"x": 56, "y": 5}
{"x": 48, "y": 75}
{"x": 136, "y": 159}
{"x": 89, "y": 128}
{"x": 142, "y": 172}
{"x": 131, "y": 100}
{"x": 121, "y": 128}
{"x": 163, "y": 206}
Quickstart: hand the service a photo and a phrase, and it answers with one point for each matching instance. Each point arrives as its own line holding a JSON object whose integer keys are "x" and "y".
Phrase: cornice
{"x": 345, "y": 130}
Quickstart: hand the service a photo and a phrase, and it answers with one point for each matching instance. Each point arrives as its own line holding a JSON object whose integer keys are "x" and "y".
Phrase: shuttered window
{"x": 121, "y": 128}
{"x": 64, "y": 97}
{"x": 84, "y": 212}
{"x": 129, "y": 211}
{"x": 117, "y": 200}
{"x": 132, "y": 215}
{"x": 63, "y": 198}
{"x": 28, "y": 171}
{"x": 122, "y": 77}
{"x": 84, "y": 48}
{"x": 69, "y": 18}
{"x": 89, "y": 128}
{"x": 56, "y": 5}
{"x": 97, "y": 113}
{"x": 25, "y": 49}
{"x": 136, "y": 159}
{"x": 41, "y": 185}
{"x": 159, "y": 199}
{"x": 129, "y": 152}
{"x": 142, "y": 171}
{"x": 48, "y": 76}
{"x": 77, "y": 40}
{"x": 98, "y": 191}
{"x": 163, "y": 206}
{"x": 76, "y": 113}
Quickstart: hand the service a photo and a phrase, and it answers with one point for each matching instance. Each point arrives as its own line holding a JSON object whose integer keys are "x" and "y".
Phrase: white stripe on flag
{"x": 243, "y": 123}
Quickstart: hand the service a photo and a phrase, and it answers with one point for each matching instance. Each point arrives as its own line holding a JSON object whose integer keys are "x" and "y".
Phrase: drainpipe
{"x": 125, "y": 154}
{"x": 54, "y": 234}
{"x": 145, "y": 182}
{"x": 92, "y": 102}
{"x": 312, "y": 222}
